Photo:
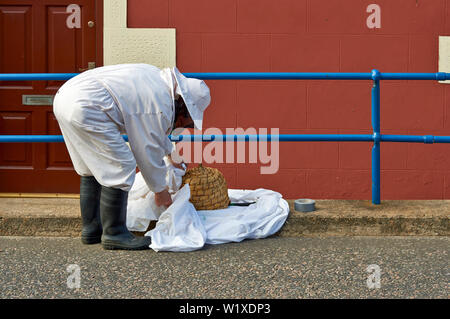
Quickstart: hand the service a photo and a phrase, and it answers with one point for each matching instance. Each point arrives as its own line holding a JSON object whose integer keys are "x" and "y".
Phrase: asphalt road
{"x": 410, "y": 267}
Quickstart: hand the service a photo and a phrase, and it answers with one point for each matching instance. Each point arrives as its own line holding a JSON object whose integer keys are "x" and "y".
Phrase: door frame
{"x": 99, "y": 32}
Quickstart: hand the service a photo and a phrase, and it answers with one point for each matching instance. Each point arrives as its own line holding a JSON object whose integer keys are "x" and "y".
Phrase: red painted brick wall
{"x": 319, "y": 36}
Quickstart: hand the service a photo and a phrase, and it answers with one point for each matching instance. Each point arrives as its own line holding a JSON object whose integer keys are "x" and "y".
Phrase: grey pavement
{"x": 277, "y": 267}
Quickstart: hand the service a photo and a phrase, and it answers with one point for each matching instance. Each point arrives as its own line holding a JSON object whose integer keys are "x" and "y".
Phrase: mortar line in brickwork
{"x": 339, "y": 153}
{"x": 236, "y": 16}
{"x": 250, "y": 33}
{"x": 408, "y": 145}
{"x": 237, "y": 99}
{"x": 408, "y": 150}
{"x": 340, "y": 53}
{"x": 444, "y": 113}
{"x": 445, "y": 186}
{"x": 435, "y": 170}
{"x": 307, "y": 176}
{"x": 307, "y": 16}
{"x": 306, "y": 104}
{"x": 169, "y": 5}
{"x": 445, "y": 17}
{"x": 409, "y": 54}
{"x": 341, "y": 170}
{"x": 202, "y": 54}
{"x": 444, "y": 96}
{"x": 271, "y": 52}
{"x": 362, "y": 35}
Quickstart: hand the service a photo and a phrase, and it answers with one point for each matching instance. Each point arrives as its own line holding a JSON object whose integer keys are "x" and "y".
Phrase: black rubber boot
{"x": 90, "y": 191}
{"x": 113, "y": 212}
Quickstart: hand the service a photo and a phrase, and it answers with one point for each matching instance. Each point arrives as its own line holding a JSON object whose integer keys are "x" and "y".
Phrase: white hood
{"x": 195, "y": 93}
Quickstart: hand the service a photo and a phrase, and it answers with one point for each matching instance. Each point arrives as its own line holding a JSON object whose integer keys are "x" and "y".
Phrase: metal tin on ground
{"x": 305, "y": 205}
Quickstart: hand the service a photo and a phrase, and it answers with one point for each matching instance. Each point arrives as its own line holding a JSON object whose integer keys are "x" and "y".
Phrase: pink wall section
{"x": 319, "y": 36}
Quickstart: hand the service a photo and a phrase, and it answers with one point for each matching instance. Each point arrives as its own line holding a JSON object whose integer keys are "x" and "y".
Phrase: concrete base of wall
{"x": 362, "y": 218}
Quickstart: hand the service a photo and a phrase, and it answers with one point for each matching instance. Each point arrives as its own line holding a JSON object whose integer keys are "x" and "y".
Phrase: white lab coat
{"x": 94, "y": 108}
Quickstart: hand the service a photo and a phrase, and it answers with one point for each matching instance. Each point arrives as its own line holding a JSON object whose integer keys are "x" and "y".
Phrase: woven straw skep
{"x": 208, "y": 188}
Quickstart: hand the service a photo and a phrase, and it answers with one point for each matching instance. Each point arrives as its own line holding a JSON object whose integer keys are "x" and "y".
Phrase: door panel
{"x": 18, "y": 154}
{"x": 63, "y": 61}
{"x": 35, "y": 38}
{"x": 15, "y": 49}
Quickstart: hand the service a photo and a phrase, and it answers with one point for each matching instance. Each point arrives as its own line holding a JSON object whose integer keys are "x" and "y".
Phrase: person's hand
{"x": 163, "y": 198}
{"x": 181, "y": 165}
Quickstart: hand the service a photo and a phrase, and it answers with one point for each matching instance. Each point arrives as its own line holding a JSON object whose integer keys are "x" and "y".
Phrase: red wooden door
{"x": 35, "y": 38}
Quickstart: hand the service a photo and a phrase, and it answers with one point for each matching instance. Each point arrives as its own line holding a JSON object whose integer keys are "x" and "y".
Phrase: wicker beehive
{"x": 208, "y": 188}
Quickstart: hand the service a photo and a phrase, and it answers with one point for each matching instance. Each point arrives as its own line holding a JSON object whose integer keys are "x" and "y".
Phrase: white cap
{"x": 195, "y": 94}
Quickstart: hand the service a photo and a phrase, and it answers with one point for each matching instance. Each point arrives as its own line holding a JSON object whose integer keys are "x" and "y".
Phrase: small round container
{"x": 305, "y": 205}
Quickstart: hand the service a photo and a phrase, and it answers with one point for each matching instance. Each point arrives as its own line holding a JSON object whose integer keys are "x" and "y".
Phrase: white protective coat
{"x": 94, "y": 108}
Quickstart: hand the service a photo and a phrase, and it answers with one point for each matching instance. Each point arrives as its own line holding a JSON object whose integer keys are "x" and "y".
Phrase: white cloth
{"x": 234, "y": 224}
{"x": 179, "y": 228}
{"x": 182, "y": 228}
{"x": 94, "y": 108}
{"x": 141, "y": 208}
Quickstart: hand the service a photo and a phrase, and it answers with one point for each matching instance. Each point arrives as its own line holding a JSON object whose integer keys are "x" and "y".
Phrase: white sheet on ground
{"x": 141, "y": 207}
{"x": 182, "y": 228}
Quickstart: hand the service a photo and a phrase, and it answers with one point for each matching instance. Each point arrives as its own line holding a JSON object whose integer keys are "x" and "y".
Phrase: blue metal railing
{"x": 376, "y": 137}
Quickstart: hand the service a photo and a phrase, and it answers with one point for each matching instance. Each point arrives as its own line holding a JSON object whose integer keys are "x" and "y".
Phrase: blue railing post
{"x": 376, "y": 137}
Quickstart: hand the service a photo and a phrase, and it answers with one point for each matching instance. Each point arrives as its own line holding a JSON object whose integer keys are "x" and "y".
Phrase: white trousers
{"x": 88, "y": 118}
